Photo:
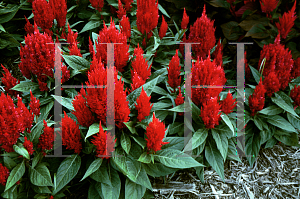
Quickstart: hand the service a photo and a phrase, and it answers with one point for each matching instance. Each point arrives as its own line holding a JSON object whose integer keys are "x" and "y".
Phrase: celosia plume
{"x": 179, "y": 100}
{"x": 174, "y": 78}
{"x": 28, "y": 27}
{"x": 295, "y": 95}
{"x": 257, "y": 99}
{"x": 143, "y": 105}
{"x": 268, "y": 6}
{"x": 211, "y": 113}
{"x": 34, "y": 104}
{"x": 4, "y": 173}
{"x": 147, "y": 15}
{"x": 127, "y": 4}
{"x": 72, "y": 40}
{"x": 9, "y": 82}
{"x": 46, "y": 139}
{"x": 43, "y": 14}
{"x": 28, "y": 146}
{"x": 97, "y": 4}
{"x": 163, "y": 28}
{"x": 59, "y": 8}
{"x": 228, "y": 104}
{"x": 185, "y": 20}
{"x": 137, "y": 81}
{"x": 218, "y": 54}
{"x": 296, "y": 69}
{"x": 121, "y": 12}
{"x": 125, "y": 26}
{"x": 140, "y": 65}
{"x": 271, "y": 83}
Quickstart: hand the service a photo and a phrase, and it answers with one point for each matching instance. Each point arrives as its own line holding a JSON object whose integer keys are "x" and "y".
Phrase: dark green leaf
{"x": 280, "y": 122}
{"x": 133, "y": 190}
{"x": 281, "y": 103}
{"x": 22, "y": 151}
{"x": 26, "y": 86}
{"x": 40, "y": 176}
{"x": 95, "y": 165}
{"x": 90, "y": 25}
{"x": 221, "y": 141}
{"x": 113, "y": 191}
{"x": 15, "y": 175}
{"x": 125, "y": 142}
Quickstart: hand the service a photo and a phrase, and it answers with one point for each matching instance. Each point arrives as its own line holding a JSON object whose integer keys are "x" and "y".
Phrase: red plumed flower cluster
{"x": 174, "y": 78}
{"x": 257, "y": 99}
{"x": 155, "y": 133}
{"x": 286, "y": 22}
{"x": 211, "y": 113}
{"x": 278, "y": 60}
{"x": 97, "y": 4}
{"x": 179, "y": 100}
{"x": 147, "y": 15}
{"x": 268, "y": 6}
{"x": 72, "y": 40}
{"x": 13, "y": 121}
{"x": 125, "y": 26}
{"x": 295, "y": 95}
{"x": 46, "y": 139}
{"x": 28, "y": 146}
{"x": 43, "y": 14}
{"x": 9, "y": 82}
{"x": 209, "y": 74}
{"x": 271, "y": 83}
{"x": 163, "y": 28}
{"x": 121, "y": 12}
{"x": 143, "y": 105}
{"x": 71, "y": 134}
{"x": 34, "y": 104}
{"x": 28, "y": 27}
{"x": 228, "y": 104}
{"x": 59, "y": 8}
{"x": 185, "y": 20}
{"x": 202, "y": 32}
{"x": 112, "y": 35}
{"x": 296, "y": 69}
{"x": 4, "y": 173}
{"x": 104, "y": 143}
{"x": 127, "y": 4}
{"x": 217, "y": 55}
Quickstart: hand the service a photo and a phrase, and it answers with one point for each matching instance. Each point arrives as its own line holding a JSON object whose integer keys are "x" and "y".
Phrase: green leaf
{"x": 67, "y": 170}
{"x": 227, "y": 121}
{"x": 257, "y": 31}
{"x": 66, "y": 102}
{"x": 125, "y": 142}
{"x": 265, "y": 136}
{"x": 198, "y": 138}
{"x": 280, "y": 122}
{"x": 290, "y": 140}
{"x": 145, "y": 158}
{"x": 25, "y": 86}
{"x": 175, "y": 159}
{"x": 95, "y": 165}
{"x": 36, "y": 159}
{"x": 101, "y": 175}
{"x": 160, "y": 105}
{"x": 271, "y": 110}
{"x": 143, "y": 179}
{"x": 221, "y": 141}
{"x": 175, "y": 143}
{"x": 158, "y": 169}
{"x": 294, "y": 121}
{"x": 22, "y": 151}
{"x": 93, "y": 129}
{"x": 133, "y": 190}
{"x": 255, "y": 73}
{"x": 11, "y": 193}
{"x": 15, "y": 175}
{"x": 270, "y": 143}
{"x": 219, "y": 3}
{"x": 282, "y": 104}
{"x": 176, "y": 127}
{"x": 214, "y": 158}
{"x": 8, "y": 14}
{"x": 90, "y": 25}
{"x": 232, "y": 151}
{"x": 93, "y": 191}
{"x": 179, "y": 108}
{"x": 140, "y": 141}
{"x": 252, "y": 145}
{"x": 40, "y": 176}
{"x": 160, "y": 91}
{"x": 76, "y": 62}
{"x": 45, "y": 110}
{"x": 112, "y": 192}
{"x": 36, "y": 131}
{"x": 8, "y": 162}
{"x": 130, "y": 126}
{"x": 163, "y": 10}
{"x": 231, "y": 30}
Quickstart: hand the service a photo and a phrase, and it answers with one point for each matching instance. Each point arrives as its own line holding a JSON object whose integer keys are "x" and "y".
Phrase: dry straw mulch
{"x": 275, "y": 174}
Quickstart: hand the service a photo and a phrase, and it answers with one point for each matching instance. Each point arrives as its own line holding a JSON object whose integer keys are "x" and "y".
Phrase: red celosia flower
{"x": 60, "y": 11}
{"x": 218, "y": 54}
{"x": 97, "y": 4}
{"x": 179, "y": 100}
{"x": 174, "y": 78}
{"x": 295, "y": 95}
{"x": 34, "y": 104}
{"x": 147, "y": 15}
{"x": 43, "y": 14}
{"x": 279, "y": 60}
{"x": 296, "y": 69}
{"x": 268, "y": 6}
{"x": 71, "y": 134}
{"x": 9, "y": 82}
{"x": 202, "y": 32}
{"x": 121, "y": 10}
{"x": 163, "y": 28}
{"x": 125, "y": 26}
{"x": 27, "y": 117}
{"x": 271, "y": 83}
{"x": 104, "y": 143}
{"x": 66, "y": 74}
{"x": 140, "y": 65}
{"x": 137, "y": 81}
{"x": 286, "y": 22}
{"x": 28, "y": 27}
{"x": 143, "y": 105}
{"x": 127, "y": 4}
{"x": 228, "y": 104}
{"x": 4, "y": 173}
{"x": 82, "y": 112}
{"x": 209, "y": 74}
{"x": 247, "y": 71}
{"x": 144, "y": 43}
{"x": 185, "y": 20}
{"x": 28, "y": 146}
{"x": 155, "y": 133}
{"x": 257, "y": 99}
{"x": 72, "y": 40}
{"x": 46, "y": 139}
{"x": 112, "y": 35}
{"x": 210, "y": 113}
{"x": 181, "y": 46}
{"x": 138, "y": 50}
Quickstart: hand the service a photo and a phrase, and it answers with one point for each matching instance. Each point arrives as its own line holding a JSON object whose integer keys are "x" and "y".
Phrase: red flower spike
{"x": 121, "y": 10}
{"x": 97, "y": 4}
{"x": 202, "y": 32}
{"x": 257, "y": 99}
{"x": 268, "y": 6}
{"x": 66, "y": 74}
{"x": 174, "y": 78}
{"x": 163, "y": 28}
{"x": 185, "y": 20}
{"x": 127, "y": 4}
{"x": 100, "y": 141}
{"x": 147, "y": 15}
{"x": 218, "y": 54}
{"x": 143, "y": 105}
{"x": 112, "y": 35}
{"x": 27, "y": 117}
{"x": 210, "y": 113}
{"x": 179, "y": 100}
{"x": 9, "y": 82}
{"x": 138, "y": 50}
{"x": 295, "y": 95}
{"x": 46, "y": 139}
{"x": 28, "y": 146}
{"x": 43, "y": 14}
{"x": 71, "y": 134}
{"x": 34, "y": 104}
{"x": 137, "y": 81}
{"x": 271, "y": 83}
{"x": 4, "y": 173}
{"x": 228, "y": 104}
{"x": 72, "y": 40}
{"x": 125, "y": 26}
{"x": 155, "y": 133}
{"x": 28, "y": 27}
{"x": 140, "y": 65}
{"x": 60, "y": 11}
{"x": 296, "y": 69}
{"x": 279, "y": 60}
{"x": 286, "y": 22}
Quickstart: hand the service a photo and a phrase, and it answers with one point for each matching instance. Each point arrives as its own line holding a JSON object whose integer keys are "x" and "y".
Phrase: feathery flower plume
{"x": 9, "y": 82}
{"x": 121, "y": 10}
{"x": 4, "y": 173}
{"x": 125, "y": 26}
{"x": 163, "y": 28}
{"x": 72, "y": 40}
{"x": 28, "y": 146}
{"x": 147, "y": 15}
{"x": 28, "y": 27}
{"x": 218, "y": 54}
{"x": 174, "y": 78}
{"x": 179, "y": 100}
{"x": 211, "y": 113}
{"x": 185, "y": 20}
{"x": 296, "y": 69}
{"x": 34, "y": 104}
{"x": 140, "y": 65}
{"x": 97, "y": 4}
{"x": 127, "y": 4}
{"x": 59, "y": 8}
{"x": 143, "y": 105}
{"x": 257, "y": 99}
{"x": 228, "y": 104}
{"x": 295, "y": 95}
{"x": 271, "y": 84}
{"x": 268, "y": 6}
{"x": 43, "y": 14}
{"x": 46, "y": 139}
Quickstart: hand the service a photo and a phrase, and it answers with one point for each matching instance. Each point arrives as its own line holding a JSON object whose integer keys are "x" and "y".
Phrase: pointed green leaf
{"x": 15, "y": 175}
{"x": 95, "y": 165}
{"x": 40, "y": 176}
